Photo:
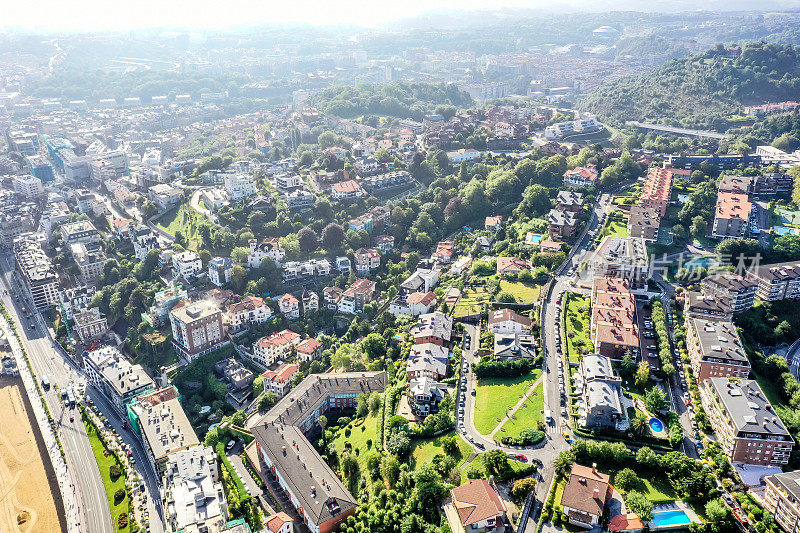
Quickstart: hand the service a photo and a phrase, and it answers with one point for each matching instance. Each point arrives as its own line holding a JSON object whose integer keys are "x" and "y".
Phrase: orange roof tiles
{"x": 733, "y": 205}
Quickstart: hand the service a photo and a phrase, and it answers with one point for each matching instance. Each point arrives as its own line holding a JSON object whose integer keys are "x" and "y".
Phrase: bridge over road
{"x": 678, "y": 131}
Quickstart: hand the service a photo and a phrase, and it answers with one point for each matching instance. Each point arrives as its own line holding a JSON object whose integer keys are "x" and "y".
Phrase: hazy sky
{"x": 98, "y": 15}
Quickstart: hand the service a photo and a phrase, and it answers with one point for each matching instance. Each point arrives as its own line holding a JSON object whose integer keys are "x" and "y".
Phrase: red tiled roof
{"x": 476, "y": 500}
{"x": 625, "y": 522}
{"x": 346, "y": 186}
{"x": 276, "y": 521}
{"x": 309, "y": 346}
{"x": 281, "y": 374}
{"x": 281, "y": 338}
{"x": 511, "y": 264}
{"x": 425, "y": 298}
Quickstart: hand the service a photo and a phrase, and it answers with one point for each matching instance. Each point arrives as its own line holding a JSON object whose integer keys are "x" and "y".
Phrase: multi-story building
{"x": 331, "y": 297}
{"x": 119, "y": 379}
{"x": 269, "y": 247}
{"x": 249, "y": 310}
{"x": 561, "y": 224}
{"x": 239, "y": 186}
{"x": 569, "y": 201}
{"x": 90, "y": 324}
{"x": 366, "y": 260}
{"x": 777, "y": 281}
{"x": 220, "y": 270}
{"x": 163, "y": 424}
{"x": 782, "y": 499}
{"x": 715, "y": 349}
{"x": 479, "y": 505}
{"x": 191, "y": 490}
{"x": 581, "y": 176}
{"x": 187, "y": 264}
{"x": 507, "y": 321}
{"x": 37, "y": 271}
{"x": 732, "y": 216}
{"x": 614, "y": 330}
{"x": 30, "y": 186}
{"x": 657, "y": 190}
{"x": 165, "y": 196}
{"x": 435, "y": 328}
{"x": 314, "y": 490}
{"x": 144, "y": 240}
{"x": 81, "y": 231}
{"x": 346, "y": 190}
{"x": 389, "y": 180}
{"x": 90, "y": 259}
{"x": 308, "y": 350}
{"x": 643, "y": 223}
{"x": 75, "y": 299}
{"x": 355, "y": 296}
{"x": 745, "y": 423}
{"x": 601, "y": 394}
{"x": 278, "y": 346}
{"x": 739, "y": 292}
{"x": 197, "y": 329}
{"x": 619, "y": 257}
{"x": 279, "y": 380}
{"x": 289, "y": 306}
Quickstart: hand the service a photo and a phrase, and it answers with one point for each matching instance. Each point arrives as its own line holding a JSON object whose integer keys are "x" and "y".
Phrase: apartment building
{"x": 322, "y": 501}
{"x": 732, "y": 216}
{"x": 278, "y": 346}
{"x": 506, "y": 321}
{"x": 657, "y": 190}
{"x": 619, "y": 257}
{"x": 165, "y": 196}
{"x": 89, "y": 324}
{"x": 29, "y": 186}
{"x": 308, "y": 350}
{"x": 191, "y": 489}
{"x": 249, "y": 310}
{"x": 739, "y": 291}
{"x": 197, "y": 329}
{"x": 289, "y": 306}
{"x": 561, "y": 224}
{"x": 745, "y": 423}
{"x": 366, "y": 260}
{"x": 643, "y": 223}
{"x": 581, "y": 176}
{"x": 163, "y": 424}
{"x": 119, "y": 379}
{"x": 37, "y": 271}
{"x": 279, "y": 381}
{"x": 569, "y": 201}
{"x": 715, "y": 349}
{"x": 346, "y": 190}
{"x": 355, "y": 296}
{"x": 782, "y": 499}
{"x": 435, "y": 328}
{"x": 81, "y": 231}
{"x": 613, "y": 327}
{"x": 220, "y": 270}
{"x": 600, "y": 403}
{"x": 239, "y": 186}
{"x": 777, "y": 281}
{"x": 90, "y": 259}
{"x": 187, "y": 264}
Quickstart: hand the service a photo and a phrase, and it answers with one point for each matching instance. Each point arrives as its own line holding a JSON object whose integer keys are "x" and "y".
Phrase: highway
{"x": 62, "y": 373}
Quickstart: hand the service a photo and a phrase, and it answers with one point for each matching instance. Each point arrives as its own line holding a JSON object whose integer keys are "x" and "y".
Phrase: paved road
{"x": 46, "y": 361}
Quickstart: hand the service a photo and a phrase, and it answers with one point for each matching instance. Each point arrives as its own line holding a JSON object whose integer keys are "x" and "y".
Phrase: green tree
{"x": 450, "y": 445}
{"x": 639, "y": 504}
{"x": 496, "y": 463}
{"x": 390, "y": 469}
{"x": 238, "y": 277}
{"x": 333, "y": 237}
{"x": 626, "y": 480}
{"x": 642, "y": 374}
{"x": 308, "y": 240}
{"x": 656, "y": 400}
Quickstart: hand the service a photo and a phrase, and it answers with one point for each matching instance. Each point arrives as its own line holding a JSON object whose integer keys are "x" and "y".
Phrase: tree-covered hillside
{"x": 702, "y": 90}
{"x": 399, "y": 99}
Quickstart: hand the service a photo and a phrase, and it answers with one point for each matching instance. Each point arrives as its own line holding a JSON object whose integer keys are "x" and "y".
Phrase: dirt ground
{"x": 29, "y": 498}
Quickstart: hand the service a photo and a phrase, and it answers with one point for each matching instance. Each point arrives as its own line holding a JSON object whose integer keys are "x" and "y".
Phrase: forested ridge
{"x": 703, "y": 90}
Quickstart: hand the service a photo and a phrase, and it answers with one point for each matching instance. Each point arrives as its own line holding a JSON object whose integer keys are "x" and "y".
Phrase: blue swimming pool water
{"x": 656, "y": 425}
{"x": 670, "y": 518}
{"x": 699, "y": 262}
{"x": 784, "y": 230}
{"x": 535, "y": 237}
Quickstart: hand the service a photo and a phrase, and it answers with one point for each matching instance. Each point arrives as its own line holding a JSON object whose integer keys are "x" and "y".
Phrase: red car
{"x": 521, "y": 457}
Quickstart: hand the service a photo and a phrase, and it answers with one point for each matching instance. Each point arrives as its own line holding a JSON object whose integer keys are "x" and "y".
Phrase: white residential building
{"x": 266, "y": 248}
{"x": 239, "y": 186}
{"x": 29, "y": 186}
{"x": 278, "y": 346}
{"x": 220, "y": 270}
{"x": 187, "y": 264}
{"x": 119, "y": 379}
{"x": 289, "y": 306}
{"x": 366, "y": 260}
{"x": 191, "y": 489}
{"x": 250, "y": 310}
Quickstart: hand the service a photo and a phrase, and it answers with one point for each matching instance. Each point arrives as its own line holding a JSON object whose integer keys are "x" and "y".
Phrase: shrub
{"x": 114, "y": 471}
{"x": 119, "y": 496}
{"x": 122, "y": 520}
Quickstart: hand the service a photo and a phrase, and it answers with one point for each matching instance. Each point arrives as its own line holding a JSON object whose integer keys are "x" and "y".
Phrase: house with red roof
{"x": 625, "y": 523}
{"x": 493, "y": 223}
{"x": 510, "y": 265}
{"x": 478, "y": 506}
{"x": 581, "y": 176}
{"x": 309, "y": 349}
{"x": 268, "y": 350}
{"x": 346, "y": 190}
{"x": 279, "y": 523}
{"x": 289, "y": 306}
{"x": 414, "y": 304}
{"x": 279, "y": 380}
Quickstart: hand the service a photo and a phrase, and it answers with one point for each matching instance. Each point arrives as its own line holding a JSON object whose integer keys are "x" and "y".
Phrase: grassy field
{"x": 523, "y": 292}
{"x": 527, "y": 416}
{"x": 616, "y": 227}
{"x": 111, "y": 486}
{"x": 578, "y": 322}
{"x": 495, "y": 395}
{"x": 424, "y": 450}
{"x": 358, "y": 436}
{"x": 182, "y": 218}
{"x": 656, "y": 488}
{"x": 471, "y": 301}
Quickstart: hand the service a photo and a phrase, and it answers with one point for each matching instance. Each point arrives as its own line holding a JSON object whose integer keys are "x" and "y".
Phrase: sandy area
{"x": 28, "y": 491}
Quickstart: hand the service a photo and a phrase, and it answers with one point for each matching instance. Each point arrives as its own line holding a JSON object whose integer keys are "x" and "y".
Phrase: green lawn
{"x": 495, "y": 395}
{"x": 523, "y": 292}
{"x": 423, "y": 450}
{"x": 616, "y": 227}
{"x": 527, "y": 416}
{"x": 656, "y": 487}
{"x": 358, "y": 436}
{"x": 111, "y": 486}
{"x": 577, "y": 321}
{"x": 182, "y": 218}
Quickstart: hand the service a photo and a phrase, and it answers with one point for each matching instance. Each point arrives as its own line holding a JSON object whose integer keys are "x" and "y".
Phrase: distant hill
{"x": 702, "y": 90}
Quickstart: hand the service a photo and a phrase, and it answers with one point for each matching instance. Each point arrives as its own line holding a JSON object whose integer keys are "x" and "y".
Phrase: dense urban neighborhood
{"x": 525, "y": 276}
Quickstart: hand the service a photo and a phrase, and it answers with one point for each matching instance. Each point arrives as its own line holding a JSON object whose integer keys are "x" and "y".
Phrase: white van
{"x": 548, "y": 417}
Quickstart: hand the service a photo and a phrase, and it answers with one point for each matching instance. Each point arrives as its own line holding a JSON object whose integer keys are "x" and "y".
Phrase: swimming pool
{"x": 675, "y": 517}
{"x": 656, "y": 425}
